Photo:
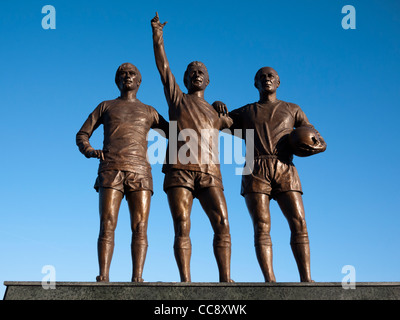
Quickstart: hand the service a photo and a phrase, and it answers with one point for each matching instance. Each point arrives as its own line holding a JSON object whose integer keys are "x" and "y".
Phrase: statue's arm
{"x": 171, "y": 89}
{"x": 84, "y": 134}
{"x": 220, "y": 107}
{"x": 225, "y": 120}
{"x": 161, "y": 125}
{"x": 230, "y": 120}
{"x": 302, "y": 120}
{"x": 159, "y": 50}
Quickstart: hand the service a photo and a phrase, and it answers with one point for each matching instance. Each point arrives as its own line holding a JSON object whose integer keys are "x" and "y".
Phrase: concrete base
{"x": 201, "y": 291}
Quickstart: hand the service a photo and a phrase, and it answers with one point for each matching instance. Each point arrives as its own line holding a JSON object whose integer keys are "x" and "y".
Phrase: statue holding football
{"x": 273, "y": 174}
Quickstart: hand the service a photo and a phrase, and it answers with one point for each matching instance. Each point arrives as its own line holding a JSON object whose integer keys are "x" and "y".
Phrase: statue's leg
{"x": 291, "y": 204}
{"x": 258, "y": 206}
{"x": 139, "y": 208}
{"x": 212, "y": 200}
{"x": 180, "y": 201}
{"x": 109, "y": 204}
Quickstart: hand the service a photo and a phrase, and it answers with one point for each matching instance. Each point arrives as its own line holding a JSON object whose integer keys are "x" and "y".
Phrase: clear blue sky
{"x": 346, "y": 81}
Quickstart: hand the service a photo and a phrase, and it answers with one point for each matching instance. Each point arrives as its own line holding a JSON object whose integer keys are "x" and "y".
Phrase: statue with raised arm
{"x": 197, "y": 175}
{"x": 124, "y": 169}
{"x": 274, "y": 175}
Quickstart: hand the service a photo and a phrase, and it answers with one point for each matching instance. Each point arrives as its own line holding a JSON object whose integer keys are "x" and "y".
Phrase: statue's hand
{"x": 156, "y": 24}
{"x": 220, "y": 107}
{"x": 321, "y": 145}
{"x": 308, "y": 149}
{"x": 95, "y": 154}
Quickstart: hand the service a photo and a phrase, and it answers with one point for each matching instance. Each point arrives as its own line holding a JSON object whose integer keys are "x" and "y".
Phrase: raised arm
{"x": 158, "y": 45}
{"x": 171, "y": 89}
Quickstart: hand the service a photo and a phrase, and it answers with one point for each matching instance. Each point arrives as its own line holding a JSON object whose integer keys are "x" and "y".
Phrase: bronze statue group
{"x": 125, "y": 171}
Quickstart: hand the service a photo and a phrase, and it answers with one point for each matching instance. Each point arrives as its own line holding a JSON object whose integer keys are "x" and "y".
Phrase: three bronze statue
{"x": 125, "y": 171}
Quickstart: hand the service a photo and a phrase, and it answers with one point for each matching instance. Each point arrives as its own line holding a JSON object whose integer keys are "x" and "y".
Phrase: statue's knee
{"x": 262, "y": 239}
{"x": 299, "y": 238}
{"x": 221, "y": 226}
{"x": 182, "y": 242}
{"x": 222, "y": 240}
{"x": 224, "y": 222}
{"x": 302, "y": 225}
{"x": 182, "y": 227}
{"x": 140, "y": 228}
{"x": 298, "y": 224}
{"x": 261, "y": 227}
{"x": 139, "y": 234}
{"x": 107, "y": 225}
{"x": 106, "y": 236}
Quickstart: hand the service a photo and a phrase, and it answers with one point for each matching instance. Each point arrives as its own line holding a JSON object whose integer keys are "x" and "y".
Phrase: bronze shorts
{"x": 193, "y": 180}
{"x": 124, "y": 181}
{"x": 271, "y": 176}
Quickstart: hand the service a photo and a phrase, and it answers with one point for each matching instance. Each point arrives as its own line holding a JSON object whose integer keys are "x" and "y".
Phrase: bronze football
{"x": 303, "y": 140}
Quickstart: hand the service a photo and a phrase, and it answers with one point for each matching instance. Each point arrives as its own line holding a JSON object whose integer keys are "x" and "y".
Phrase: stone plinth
{"x": 201, "y": 291}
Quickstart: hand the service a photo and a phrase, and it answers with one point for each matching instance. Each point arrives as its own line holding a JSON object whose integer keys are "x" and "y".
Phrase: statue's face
{"x": 196, "y": 78}
{"x": 267, "y": 80}
{"x": 128, "y": 79}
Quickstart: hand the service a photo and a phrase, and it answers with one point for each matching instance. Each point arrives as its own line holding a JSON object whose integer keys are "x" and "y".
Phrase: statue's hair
{"x": 125, "y": 66}
{"x": 259, "y": 71}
